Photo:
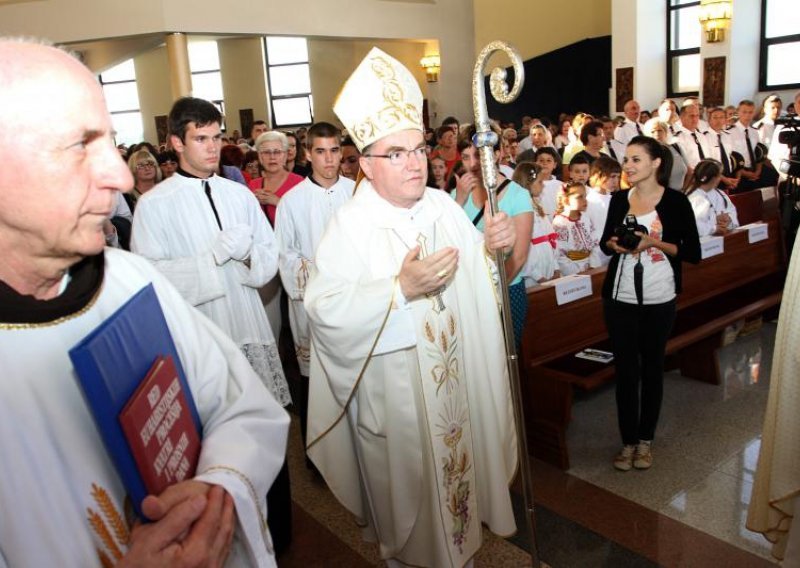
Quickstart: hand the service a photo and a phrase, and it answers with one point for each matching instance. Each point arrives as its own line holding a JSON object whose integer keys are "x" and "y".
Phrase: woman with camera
{"x": 649, "y": 232}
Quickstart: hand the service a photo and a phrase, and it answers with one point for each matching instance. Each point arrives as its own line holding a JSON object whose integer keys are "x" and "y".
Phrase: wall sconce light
{"x": 431, "y": 64}
{"x": 715, "y": 16}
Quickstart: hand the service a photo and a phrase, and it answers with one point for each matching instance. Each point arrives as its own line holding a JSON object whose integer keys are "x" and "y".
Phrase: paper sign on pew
{"x": 711, "y": 246}
{"x": 756, "y": 232}
{"x": 571, "y": 288}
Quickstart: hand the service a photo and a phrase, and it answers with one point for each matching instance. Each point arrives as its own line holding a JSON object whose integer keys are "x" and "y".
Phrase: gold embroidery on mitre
{"x": 396, "y": 110}
{"x": 100, "y": 525}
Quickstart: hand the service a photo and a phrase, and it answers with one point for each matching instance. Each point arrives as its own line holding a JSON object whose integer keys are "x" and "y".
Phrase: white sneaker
{"x": 624, "y": 459}
{"x": 642, "y": 457}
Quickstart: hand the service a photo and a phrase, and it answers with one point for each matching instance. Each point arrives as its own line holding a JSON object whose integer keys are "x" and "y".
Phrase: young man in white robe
{"x": 302, "y": 216}
{"x": 62, "y": 502}
{"x": 410, "y": 414}
{"x": 210, "y": 238}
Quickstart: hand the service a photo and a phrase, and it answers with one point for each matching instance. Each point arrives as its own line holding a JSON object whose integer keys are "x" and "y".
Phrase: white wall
{"x": 451, "y": 22}
{"x": 639, "y": 40}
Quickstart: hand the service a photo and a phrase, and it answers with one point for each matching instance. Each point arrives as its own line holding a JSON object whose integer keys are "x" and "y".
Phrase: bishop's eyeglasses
{"x": 400, "y": 157}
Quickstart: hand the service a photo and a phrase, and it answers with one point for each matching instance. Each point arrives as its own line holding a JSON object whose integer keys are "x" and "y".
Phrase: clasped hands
{"x": 234, "y": 243}
{"x": 723, "y": 224}
{"x": 193, "y": 525}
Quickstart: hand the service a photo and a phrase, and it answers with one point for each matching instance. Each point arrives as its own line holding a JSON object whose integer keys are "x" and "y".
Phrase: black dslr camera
{"x": 625, "y": 233}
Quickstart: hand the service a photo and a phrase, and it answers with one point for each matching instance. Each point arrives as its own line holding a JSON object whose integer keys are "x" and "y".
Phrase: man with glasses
{"x": 302, "y": 216}
{"x": 410, "y": 419}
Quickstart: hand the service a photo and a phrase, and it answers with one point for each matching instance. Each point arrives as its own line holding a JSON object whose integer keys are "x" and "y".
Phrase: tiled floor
{"x": 706, "y": 447}
{"x": 687, "y": 511}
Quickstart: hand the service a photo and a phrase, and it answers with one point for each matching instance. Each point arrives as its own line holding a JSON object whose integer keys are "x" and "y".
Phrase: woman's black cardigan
{"x": 679, "y": 228}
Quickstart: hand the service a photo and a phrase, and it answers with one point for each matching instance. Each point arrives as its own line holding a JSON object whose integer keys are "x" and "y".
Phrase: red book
{"x": 159, "y": 428}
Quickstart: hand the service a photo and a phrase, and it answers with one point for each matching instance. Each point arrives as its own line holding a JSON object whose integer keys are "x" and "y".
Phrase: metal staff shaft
{"x": 485, "y": 140}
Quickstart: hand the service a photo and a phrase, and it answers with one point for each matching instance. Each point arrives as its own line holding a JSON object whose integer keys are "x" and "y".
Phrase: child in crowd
{"x": 438, "y": 172}
{"x": 713, "y": 210}
{"x": 578, "y": 170}
{"x": 603, "y": 181}
{"x": 547, "y": 159}
{"x": 542, "y": 260}
{"x": 577, "y": 237}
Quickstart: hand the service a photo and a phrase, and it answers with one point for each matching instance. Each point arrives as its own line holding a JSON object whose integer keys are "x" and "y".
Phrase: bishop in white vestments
{"x": 775, "y": 501}
{"x": 410, "y": 414}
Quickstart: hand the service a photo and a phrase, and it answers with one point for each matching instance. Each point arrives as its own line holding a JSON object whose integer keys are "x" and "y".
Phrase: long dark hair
{"x": 704, "y": 172}
{"x": 656, "y": 149}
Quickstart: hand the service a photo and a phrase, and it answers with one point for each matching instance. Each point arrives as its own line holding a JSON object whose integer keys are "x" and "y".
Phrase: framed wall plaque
{"x": 246, "y": 121}
{"x": 161, "y": 128}
{"x": 624, "y": 87}
{"x": 714, "y": 81}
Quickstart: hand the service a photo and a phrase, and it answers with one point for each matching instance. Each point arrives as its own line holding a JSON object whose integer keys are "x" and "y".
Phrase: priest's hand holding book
{"x": 193, "y": 525}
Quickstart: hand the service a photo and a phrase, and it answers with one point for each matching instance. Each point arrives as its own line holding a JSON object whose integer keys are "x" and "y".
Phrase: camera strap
{"x": 638, "y": 280}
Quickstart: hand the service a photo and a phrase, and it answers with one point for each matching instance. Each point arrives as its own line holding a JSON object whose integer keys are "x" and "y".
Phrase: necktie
{"x": 611, "y": 151}
{"x": 723, "y": 155}
{"x": 211, "y": 201}
{"x": 750, "y": 149}
{"x": 699, "y": 147}
{"x": 638, "y": 128}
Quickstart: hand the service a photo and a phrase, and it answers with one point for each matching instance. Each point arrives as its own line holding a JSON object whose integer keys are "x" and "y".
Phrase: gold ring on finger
{"x": 442, "y": 274}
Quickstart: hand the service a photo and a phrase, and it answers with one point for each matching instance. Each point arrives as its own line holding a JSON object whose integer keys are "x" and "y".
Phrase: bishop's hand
{"x": 498, "y": 232}
{"x": 423, "y": 276}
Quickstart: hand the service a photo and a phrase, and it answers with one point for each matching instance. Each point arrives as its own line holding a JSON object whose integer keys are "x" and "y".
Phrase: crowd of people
{"x": 569, "y": 187}
{"x": 382, "y": 242}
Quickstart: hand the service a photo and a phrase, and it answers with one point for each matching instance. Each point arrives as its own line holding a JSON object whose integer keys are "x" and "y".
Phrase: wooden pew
{"x": 745, "y": 281}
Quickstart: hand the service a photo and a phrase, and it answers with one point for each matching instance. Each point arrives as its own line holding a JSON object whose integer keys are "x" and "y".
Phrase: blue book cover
{"x": 110, "y": 363}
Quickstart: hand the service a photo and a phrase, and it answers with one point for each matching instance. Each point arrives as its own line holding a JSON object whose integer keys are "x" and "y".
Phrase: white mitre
{"x": 381, "y": 97}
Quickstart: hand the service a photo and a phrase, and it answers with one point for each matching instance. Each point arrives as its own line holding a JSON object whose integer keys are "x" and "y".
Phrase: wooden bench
{"x": 743, "y": 282}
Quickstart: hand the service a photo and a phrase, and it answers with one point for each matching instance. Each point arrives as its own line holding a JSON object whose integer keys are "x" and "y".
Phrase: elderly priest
{"x": 62, "y": 502}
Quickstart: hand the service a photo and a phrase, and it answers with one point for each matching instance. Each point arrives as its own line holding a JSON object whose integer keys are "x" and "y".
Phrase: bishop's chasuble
{"x": 410, "y": 414}
{"x": 776, "y": 488}
{"x": 61, "y": 500}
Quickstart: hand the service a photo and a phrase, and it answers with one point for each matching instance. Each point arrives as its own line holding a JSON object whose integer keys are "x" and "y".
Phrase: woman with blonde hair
{"x": 146, "y": 174}
{"x": 678, "y": 173}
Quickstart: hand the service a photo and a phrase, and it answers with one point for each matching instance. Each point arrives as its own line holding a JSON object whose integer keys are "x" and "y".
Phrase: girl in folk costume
{"x": 713, "y": 210}
{"x": 542, "y": 263}
{"x": 577, "y": 238}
